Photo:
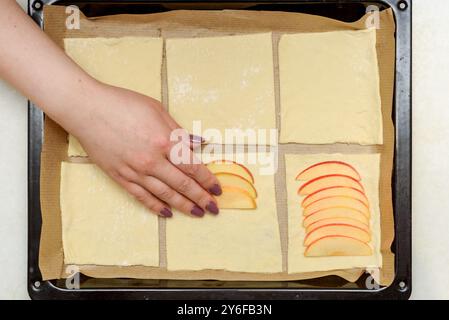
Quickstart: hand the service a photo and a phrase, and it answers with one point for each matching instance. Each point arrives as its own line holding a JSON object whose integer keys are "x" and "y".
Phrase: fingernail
{"x": 197, "y": 211}
{"x": 212, "y": 208}
{"x": 216, "y": 190}
{"x": 197, "y": 139}
{"x": 166, "y": 213}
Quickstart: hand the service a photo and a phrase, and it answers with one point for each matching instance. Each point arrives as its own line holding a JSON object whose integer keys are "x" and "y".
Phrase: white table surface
{"x": 430, "y": 164}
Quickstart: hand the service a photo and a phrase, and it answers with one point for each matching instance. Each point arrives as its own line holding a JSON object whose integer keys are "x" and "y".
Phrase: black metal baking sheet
{"x": 330, "y": 287}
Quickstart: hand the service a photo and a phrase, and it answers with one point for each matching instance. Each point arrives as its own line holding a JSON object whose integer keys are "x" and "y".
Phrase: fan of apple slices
{"x": 237, "y": 184}
{"x": 335, "y": 209}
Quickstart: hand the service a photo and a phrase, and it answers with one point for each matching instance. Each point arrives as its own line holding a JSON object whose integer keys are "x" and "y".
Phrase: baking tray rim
{"x": 39, "y": 289}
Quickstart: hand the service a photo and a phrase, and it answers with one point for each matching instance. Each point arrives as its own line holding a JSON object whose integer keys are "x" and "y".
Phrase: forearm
{"x": 37, "y": 67}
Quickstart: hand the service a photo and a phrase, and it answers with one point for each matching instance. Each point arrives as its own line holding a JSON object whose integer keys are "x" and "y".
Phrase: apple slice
{"x": 335, "y": 213}
{"x": 232, "y": 180}
{"x": 336, "y": 202}
{"x": 330, "y": 180}
{"x": 335, "y": 191}
{"x": 337, "y": 221}
{"x": 337, "y": 230}
{"x": 220, "y": 166}
{"x": 326, "y": 168}
{"x": 235, "y": 198}
{"x": 337, "y": 246}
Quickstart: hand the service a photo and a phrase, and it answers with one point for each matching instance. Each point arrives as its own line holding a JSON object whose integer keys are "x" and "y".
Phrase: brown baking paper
{"x": 182, "y": 23}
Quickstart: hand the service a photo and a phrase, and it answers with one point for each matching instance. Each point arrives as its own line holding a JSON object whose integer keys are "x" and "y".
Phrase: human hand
{"x": 128, "y": 135}
{"x": 125, "y": 133}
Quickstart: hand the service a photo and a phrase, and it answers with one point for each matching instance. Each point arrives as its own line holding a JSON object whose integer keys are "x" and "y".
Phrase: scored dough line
{"x": 279, "y": 177}
{"x": 164, "y": 101}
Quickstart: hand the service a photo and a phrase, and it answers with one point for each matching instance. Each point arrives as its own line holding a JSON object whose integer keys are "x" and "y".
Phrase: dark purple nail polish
{"x": 212, "y": 208}
{"x": 197, "y": 211}
{"x": 216, "y": 190}
{"x": 197, "y": 139}
{"x": 166, "y": 213}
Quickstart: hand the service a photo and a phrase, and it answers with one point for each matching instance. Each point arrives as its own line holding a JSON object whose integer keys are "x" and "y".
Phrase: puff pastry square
{"x": 329, "y": 86}
{"x": 224, "y": 82}
{"x": 132, "y": 63}
{"x": 368, "y": 167}
{"x": 101, "y": 223}
{"x": 233, "y": 240}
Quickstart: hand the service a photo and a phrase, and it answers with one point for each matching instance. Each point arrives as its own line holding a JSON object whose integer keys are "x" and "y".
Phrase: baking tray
{"x": 330, "y": 287}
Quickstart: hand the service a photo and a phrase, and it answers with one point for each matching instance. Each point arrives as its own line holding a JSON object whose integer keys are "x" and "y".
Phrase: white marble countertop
{"x": 430, "y": 164}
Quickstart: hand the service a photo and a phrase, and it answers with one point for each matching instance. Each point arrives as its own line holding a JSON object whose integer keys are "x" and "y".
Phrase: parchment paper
{"x": 182, "y": 23}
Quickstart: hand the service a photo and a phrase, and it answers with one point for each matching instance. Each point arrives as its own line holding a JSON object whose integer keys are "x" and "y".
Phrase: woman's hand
{"x": 125, "y": 133}
{"x": 128, "y": 135}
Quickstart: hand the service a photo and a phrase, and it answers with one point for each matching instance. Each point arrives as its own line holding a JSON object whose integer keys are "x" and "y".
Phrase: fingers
{"x": 196, "y": 141}
{"x": 182, "y": 183}
{"x": 203, "y": 176}
{"x": 155, "y": 194}
{"x": 199, "y": 172}
{"x": 146, "y": 198}
{"x": 170, "y": 196}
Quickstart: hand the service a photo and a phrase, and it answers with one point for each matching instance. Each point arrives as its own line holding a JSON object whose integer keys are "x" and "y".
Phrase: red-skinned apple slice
{"x": 326, "y": 168}
{"x": 337, "y": 221}
{"x": 335, "y": 213}
{"x": 235, "y": 198}
{"x": 226, "y": 166}
{"x": 337, "y": 246}
{"x": 336, "y": 202}
{"x": 337, "y": 230}
{"x": 232, "y": 180}
{"x": 335, "y": 191}
{"x": 328, "y": 181}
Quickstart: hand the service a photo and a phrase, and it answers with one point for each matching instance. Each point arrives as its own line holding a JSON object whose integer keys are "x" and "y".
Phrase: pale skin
{"x": 125, "y": 133}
